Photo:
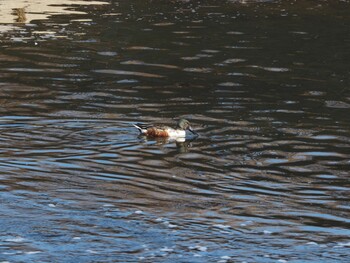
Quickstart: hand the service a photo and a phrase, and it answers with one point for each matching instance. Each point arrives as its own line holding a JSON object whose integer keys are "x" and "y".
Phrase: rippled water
{"x": 264, "y": 83}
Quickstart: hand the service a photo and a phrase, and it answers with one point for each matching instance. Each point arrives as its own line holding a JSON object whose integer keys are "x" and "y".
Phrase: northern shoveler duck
{"x": 165, "y": 131}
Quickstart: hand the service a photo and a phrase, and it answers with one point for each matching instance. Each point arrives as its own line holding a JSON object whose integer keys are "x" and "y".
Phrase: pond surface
{"x": 265, "y": 84}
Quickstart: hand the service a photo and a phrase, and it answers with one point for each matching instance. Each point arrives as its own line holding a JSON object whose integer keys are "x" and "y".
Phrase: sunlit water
{"x": 264, "y": 83}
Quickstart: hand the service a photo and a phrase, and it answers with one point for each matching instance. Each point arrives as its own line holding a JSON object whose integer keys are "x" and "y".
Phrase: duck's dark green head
{"x": 185, "y": 125}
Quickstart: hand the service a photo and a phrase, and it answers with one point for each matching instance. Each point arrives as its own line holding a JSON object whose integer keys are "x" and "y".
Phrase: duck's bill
{"x": 190, "y": 129}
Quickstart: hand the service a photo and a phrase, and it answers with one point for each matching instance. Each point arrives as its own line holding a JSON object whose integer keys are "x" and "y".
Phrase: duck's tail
{"x": 140, "y": 128}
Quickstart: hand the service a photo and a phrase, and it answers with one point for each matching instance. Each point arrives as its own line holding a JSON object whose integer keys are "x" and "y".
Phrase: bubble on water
{"x": 138, "y": 212}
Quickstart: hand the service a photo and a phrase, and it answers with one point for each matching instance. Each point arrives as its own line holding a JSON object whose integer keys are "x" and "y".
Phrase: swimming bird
{"x": 166, "y": 131}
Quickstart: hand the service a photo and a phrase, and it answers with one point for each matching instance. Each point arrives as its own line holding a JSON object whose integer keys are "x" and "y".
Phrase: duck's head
{"x": 185, "y": 125}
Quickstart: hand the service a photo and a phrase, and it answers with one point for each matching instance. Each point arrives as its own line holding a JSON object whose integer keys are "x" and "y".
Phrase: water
{"x": 264, "y": 83}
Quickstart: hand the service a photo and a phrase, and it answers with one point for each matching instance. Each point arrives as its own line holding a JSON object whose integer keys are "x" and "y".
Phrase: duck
{"x": 165, "y": 131}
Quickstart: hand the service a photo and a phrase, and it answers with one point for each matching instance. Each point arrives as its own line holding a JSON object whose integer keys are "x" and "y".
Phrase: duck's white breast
{"x": 176, "y": 133}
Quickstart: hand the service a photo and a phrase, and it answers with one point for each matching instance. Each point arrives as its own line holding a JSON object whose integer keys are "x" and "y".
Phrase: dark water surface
{"x": 265, "y": 84}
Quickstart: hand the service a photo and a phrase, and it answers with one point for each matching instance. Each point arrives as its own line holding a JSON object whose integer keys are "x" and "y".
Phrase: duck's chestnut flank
{"x": 155, "y": 132}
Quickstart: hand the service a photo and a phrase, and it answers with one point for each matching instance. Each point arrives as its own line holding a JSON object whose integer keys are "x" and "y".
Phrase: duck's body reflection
{"x": 182, "y": 144}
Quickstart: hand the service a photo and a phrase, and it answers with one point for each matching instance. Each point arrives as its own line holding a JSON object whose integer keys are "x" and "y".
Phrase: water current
{"x": 264, "y": 83}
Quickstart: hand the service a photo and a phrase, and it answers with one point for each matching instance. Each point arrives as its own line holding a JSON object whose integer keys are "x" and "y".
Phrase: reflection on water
{"x": 182, "y": 144}
{"x": 264, "y": 83}
{"x": 14, "y": 13}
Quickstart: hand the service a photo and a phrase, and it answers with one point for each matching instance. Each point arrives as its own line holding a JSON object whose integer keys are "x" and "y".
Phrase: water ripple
{"x": 270, "y": 104}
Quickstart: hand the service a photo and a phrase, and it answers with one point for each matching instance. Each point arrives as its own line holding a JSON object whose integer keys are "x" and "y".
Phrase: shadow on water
{"x": 264, "y": 83}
